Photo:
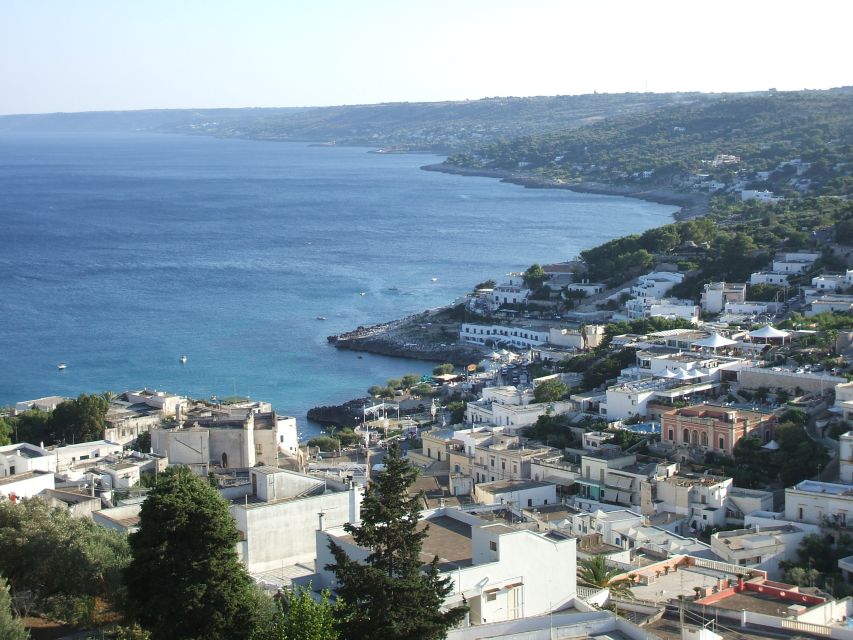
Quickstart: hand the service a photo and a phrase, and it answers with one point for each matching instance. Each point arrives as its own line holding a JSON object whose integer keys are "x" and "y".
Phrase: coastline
{"x": 417, "y": 337}
{"x": 692, "y": 205}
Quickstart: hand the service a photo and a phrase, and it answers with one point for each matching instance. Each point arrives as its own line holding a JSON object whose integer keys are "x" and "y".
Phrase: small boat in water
{"x": 321, "y": 318}
{"x": 435, "y": 279}
{"x": 183, "y": 359}
{"x": 61, "y": 366}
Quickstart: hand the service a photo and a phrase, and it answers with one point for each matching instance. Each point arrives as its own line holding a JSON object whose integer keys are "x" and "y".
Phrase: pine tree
{"x": 10, "y": 626}
{"x": 390, "y": 595}
{"x": 185, "y": 580}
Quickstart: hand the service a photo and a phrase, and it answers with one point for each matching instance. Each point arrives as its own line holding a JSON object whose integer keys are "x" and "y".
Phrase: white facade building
{"x": 794, "y": 262}
{"x": 761, "y": 546}
{"x": 519, "y": 493}
{"x": 523, "y": 337}
{"x": 656, "y": 284}
{"x": 46, "y": 404}
{"x": 84, "y": 454}
{"x": 503, "y": 573}
{"x": 769, "y": 277}
{"x": 833, "y": 282}
{"x": 279, "y": 518}
{"x": 23, "y": 457}
{"x": 820, "y": 503}
{"x": 26, "y": 484}
{"x": 717, "y": 294}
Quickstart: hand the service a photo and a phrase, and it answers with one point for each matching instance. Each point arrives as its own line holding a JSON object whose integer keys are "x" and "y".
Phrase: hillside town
{"x": 690, "y": 468}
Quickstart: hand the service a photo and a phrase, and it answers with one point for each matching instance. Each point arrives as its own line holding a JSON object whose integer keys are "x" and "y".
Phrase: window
{"x": 503, "y": 465}
{"x": 686, "y": 437}
{"x": 801, "y": 513}
{"x": 281, "y": 438}
{"x": 438, "y": 453}
{"x": 492, "y": 462}
{"x": 671, "y": 435}
{"x": 530, "y": 502}
{"x": 429, "y": 452}
{"x": 258, "y": 449}
{"x": 722, "y": 443}
{"x": 491, "y": 595}
{"x": 493, "y": 546}
{"x": 456, "y": 468}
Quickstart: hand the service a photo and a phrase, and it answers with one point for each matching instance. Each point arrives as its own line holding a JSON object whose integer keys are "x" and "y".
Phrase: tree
{"x": 79, "y": 420}
{"x": 185, "y": 580}
{"x": 443, "y": 369}
{"x": 534, "y": 276}
{"x": 391, "y": 594}
{"x": 550, "y": 390}
{"x": 143, "y": 442}
{"x": 594, "y": 572}
{"x": 11, "y": 627}
{"x": 298, "y": 616}
{"x": 64, "y": 563}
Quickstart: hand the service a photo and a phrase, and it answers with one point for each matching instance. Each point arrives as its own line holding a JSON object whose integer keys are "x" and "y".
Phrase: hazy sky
{"x": 67, "y": 55}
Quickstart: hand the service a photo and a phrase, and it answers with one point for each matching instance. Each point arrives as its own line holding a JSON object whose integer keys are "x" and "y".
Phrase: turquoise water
{"x": 122, "y": 252}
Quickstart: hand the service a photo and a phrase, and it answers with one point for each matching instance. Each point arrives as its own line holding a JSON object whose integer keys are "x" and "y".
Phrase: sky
{"x": 93, "y": 55}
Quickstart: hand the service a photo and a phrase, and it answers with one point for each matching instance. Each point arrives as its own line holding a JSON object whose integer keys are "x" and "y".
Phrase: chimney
{"x": 322, "y": 517}
{"x": 354, "y": 503}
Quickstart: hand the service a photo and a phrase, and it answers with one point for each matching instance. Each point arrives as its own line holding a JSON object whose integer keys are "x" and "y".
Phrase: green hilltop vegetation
{"x": 733, "y": 240}
{"x": 727, "y": 139}
{"x": 440, "y": 127}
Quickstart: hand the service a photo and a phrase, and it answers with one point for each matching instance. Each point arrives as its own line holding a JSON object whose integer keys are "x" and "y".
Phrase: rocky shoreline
{"x": 692, "y": 204}
{"x": 430, "y": 336}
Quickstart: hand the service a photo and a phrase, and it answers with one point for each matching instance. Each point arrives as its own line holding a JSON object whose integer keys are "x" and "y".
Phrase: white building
{"x": 26, "y": 484}
{"x": 717, "y": 294}
{"x": 587, "y": 337}
{"x": 502, "y": 572}
{"x": 513, "y": 291}
{"x": 46, "y": 404}
{"x": 820, "y": 503}
{"x": 511, "y": 416}
{"x": 242, "y": 441}
{"x": 833, "y": 282}
{"x": 23, "y": 457}
{"x": 761, "y": 196}
{"x": 524, "y": 337}
{"x": 769, "y": 277}
{"x": 701, "y": 499}
{"x": 278, "y": 519}
{"x": 84, "y": 454}
{"x": 761, "y": 546}
{"x": 830, "y": 303}
{"x": 167, "y": 403}
{"x": 794, "y": 262}
{"x": 656, "y": 284}
{"x": 670, "y": 308}
{"x": 586, "y": 287}
{"x": 519, "y": 493}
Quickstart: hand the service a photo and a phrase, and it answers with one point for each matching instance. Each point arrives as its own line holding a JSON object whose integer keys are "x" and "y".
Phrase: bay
{"x": 121, "y": 252}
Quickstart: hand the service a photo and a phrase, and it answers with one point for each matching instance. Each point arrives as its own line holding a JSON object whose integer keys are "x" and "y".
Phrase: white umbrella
{"x": 768, "y": 331}
{"x": 667, "y": 374}
{"x": 714, "y": 341}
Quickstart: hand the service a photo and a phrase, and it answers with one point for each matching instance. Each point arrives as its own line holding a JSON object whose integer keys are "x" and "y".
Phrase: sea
{"x": 119, "y": 253}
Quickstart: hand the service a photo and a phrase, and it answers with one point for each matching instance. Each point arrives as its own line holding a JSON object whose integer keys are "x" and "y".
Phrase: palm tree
{"x": 594, "y": 572}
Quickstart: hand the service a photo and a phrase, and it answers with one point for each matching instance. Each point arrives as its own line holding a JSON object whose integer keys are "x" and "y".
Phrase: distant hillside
{"x": 442, "y": 127}
{"x": 739, "y": 141}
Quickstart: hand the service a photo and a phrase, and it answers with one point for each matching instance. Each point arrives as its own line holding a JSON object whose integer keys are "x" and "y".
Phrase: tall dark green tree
{"x": 391, "y": 595}
{"x": 185, "y": 580}
{"x": 79, "y": 420}
{"x": 11, "y": 627}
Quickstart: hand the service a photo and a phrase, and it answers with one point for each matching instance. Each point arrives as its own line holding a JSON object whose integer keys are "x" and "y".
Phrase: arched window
{"x": 722, "y": 442}
{"x": 686, "y": 435}
{"x": 695, "y": 439}
{"x": 704, "y": 439}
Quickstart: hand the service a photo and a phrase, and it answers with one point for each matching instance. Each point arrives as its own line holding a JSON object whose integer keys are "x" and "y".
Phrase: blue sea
{"x": 121, "y": 252}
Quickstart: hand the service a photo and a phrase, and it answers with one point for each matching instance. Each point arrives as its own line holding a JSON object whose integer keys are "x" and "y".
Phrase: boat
{"x": 321, "y": 318}
{"x": 435, "y": 279}
{"x": 183, "y": 359}
{"x": 363, "y": 293}
{"x": 61, "y": 366}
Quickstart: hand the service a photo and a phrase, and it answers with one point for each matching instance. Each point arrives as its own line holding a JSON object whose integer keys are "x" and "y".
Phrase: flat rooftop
{"x": 511, "y": 486}
{"x": 449, "y": 539}
{"x": 20, "y": 477}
